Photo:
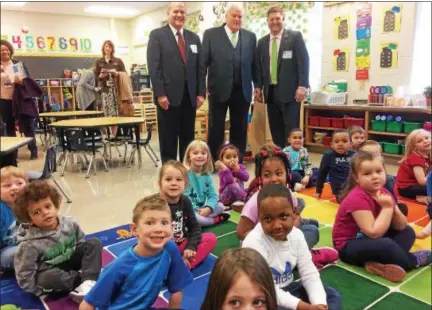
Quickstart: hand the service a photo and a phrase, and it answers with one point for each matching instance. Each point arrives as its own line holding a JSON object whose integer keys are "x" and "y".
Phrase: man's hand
{"x": 199, "y": 102}
{"x": 300, "y": 94}
{"x": 163, "y": 102}
{"x": 258, "y": 94}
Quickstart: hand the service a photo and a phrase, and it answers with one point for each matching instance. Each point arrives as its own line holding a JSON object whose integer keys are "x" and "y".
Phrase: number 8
{"x": 63, "y": 43}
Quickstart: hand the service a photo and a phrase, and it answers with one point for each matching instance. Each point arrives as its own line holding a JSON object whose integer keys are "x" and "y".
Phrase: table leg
{"x": 137, "y": 137}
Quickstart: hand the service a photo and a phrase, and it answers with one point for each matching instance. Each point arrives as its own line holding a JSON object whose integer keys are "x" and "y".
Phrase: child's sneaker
{"x": 298, "y": 187}
{"x": 323, "y": 256}
{"x": 223, "y": 217}
{"x": 390, "y": 272}
{"x": 238, "y": 206}
{"x": 79, "y": 293}
{"x": 424, "y": 257}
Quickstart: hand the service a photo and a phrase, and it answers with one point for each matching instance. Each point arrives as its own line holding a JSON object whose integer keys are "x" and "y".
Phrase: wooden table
{"x": 8, "y": 146}
{"x": 91, "y": 124}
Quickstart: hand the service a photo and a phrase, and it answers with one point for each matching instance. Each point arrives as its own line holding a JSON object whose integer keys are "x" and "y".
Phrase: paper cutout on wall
{"x": 363, "y": 48}
{"x": 391, "y": 18}
{"x": 363, "y": 62}
{"x": 389, "y": 55}
{"x": 341, "y": 26}
{"x": 364, "y": 9}
{"x": 364, "y": 21}
{"x": 362, "y": 74}
{"x": 363, "y": 33}
{"x": 341, "y": 59}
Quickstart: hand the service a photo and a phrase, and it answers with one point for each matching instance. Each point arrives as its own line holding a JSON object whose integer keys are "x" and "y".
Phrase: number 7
{"x": 51, "y": 42}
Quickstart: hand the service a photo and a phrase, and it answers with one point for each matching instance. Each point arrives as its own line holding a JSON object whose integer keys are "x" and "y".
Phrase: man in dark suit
{"x": 283, "y": 72}
{"x": 229, "y": 53}
{"x": 178, "y": 80}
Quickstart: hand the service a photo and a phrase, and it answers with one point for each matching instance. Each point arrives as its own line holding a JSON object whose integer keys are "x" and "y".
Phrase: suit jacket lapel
{"x": 173, "y": 40}
{"x": 266, "y": 54}
{"x": 285, "y": 45}
{"x": 243, "y": 44}
{"x": 185, "y": 38}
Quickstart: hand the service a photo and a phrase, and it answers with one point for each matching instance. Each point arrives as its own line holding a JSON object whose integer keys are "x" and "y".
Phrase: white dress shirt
{"x": 175, "y": 32}
{"x": 278, "y": 42}
{"x": 229, "y": 34}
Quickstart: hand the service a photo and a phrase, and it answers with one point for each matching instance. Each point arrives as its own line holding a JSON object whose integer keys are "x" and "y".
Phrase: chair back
{"x": 149, "y": 134}
{"x": 50, "y": 165}
{"x": 76, "y": 140}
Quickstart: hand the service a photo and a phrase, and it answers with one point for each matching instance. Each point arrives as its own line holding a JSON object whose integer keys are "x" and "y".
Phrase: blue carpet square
{"x": 113, "y": 235}
{"x": 205, "y": 267}
{"x": 11, "y": 294}
{"x": 193, "y": 295}
{"x": 119, "y": 248}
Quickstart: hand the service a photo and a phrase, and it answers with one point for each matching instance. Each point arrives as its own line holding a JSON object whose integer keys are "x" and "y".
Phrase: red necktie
{"x": 181, "y": 45}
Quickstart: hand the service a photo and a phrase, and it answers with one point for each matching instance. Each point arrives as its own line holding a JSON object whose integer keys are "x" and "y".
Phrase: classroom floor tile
{"x": 399, "y": 301}
{"x": 324, "y": 212}
{"x": 419, "y": 286}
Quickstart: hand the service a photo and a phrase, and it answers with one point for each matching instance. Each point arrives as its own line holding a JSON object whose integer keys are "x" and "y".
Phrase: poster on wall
{"x": 341, "y": 59}
{"x": 391, "y": 18}
{"x": 341, "y": 26}
{"x": 389, "y": 55}
{"x": 27, "y": 43}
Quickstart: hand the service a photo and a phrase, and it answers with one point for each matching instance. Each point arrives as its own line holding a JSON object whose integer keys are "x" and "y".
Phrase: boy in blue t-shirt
{"x": 335, "y": 163}
{"x": 135, "y": 278}
{"x": 12, "y": 181}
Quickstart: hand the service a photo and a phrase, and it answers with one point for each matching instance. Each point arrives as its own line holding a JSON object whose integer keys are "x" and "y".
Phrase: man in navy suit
{"x": 229, "y": 53}
{"x": 283, "y": 72}
{"x": 178, "y": 80}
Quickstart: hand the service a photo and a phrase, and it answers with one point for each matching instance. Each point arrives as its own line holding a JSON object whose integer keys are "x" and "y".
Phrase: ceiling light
{"x": 13, "y": 4}
{"x": 110, "y": 10}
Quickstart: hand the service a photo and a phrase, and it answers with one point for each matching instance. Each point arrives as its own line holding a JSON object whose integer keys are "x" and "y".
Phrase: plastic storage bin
{"x": 352, "y": 121}
{"x": 410, "y": 126}
{"x": 382, "y": 146}
{"x": 427, "y": 126}
{"x": 402, "y": 146}
{"x": 392, "y": 148}
{"x": 327, "y": 141}
{"x": 378, "y": 125}
{"x": 314, "y": 120}
{"x": 337, "y": 122}
{"x": 325, "y": 121}
{"x": 394, "y": 127}
{"x": 319, "y": 98}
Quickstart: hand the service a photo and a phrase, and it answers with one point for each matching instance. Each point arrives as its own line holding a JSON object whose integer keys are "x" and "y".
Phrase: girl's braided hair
{"x": 271, "y": 151}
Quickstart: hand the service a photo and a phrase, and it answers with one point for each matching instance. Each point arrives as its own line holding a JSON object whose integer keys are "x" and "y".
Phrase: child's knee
{"x": 7, "y": 256}
{"x": 209, "y": 238}
{"x": 95, "y": 243}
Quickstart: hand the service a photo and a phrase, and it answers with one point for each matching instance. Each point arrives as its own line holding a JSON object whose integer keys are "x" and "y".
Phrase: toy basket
{"x": 314, "y": 120}
{"x": 410, "y": 126}
{"x": 392, "y": 148}
{"x": 378, "y": 125}
{"x": 325, "y": 121}
{"x": 394, "y": 127}
{"x": 54, "y": 83}
{"x": 319, "y": 98}
{"x": 337, "y": 122}
{"x": 352, "y": 121}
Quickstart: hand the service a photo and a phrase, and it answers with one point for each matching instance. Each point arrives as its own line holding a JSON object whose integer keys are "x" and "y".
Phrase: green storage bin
{"x": 382, "y": 145}
{"x": 394, "y": 127}
{"x": 410, "y": 126}
{"x": 378, "y": 125}
{"x": 392, "y": 148}
{"x": 342, "y": 86}
{"x": 402, "y": 149}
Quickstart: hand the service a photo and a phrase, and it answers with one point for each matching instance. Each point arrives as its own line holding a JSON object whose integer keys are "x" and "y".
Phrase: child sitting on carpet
{"x": 357, "y": 136}
{"x": 298, "y": 156}
{"x": 232, "y": 176}
{"x": 426, "y": 232}
{"x": 284, "y": 248}
{"x": 416, "y": 164}
{"x": 12, "y": 181}
{"x": 240, "y": 279}
{"x": 135, "y": 278}
{"x": 200, "y": 190}
{"x": 369, "y": 229}
{"x": 272, "y": 167}
{"x": 374, "y": 147}
{"x": 52, "y": 254}
{"x": 194, "y": 246}
{"x": 335, "y": 163}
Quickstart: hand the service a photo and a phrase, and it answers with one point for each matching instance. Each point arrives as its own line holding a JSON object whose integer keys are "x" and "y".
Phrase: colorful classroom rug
{"x": 359, "y": 289}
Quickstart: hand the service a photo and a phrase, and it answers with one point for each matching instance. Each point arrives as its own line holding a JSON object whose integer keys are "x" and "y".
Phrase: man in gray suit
{"x": 229, "y": 53}
{"x": 283, "y": 72}
{"x": 178, "y": 80}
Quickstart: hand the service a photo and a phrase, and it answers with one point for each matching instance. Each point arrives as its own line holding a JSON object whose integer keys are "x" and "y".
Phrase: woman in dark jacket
{"x": 9, "y": 111}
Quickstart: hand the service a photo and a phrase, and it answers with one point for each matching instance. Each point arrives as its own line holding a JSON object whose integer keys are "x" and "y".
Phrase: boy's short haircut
{"x": 153, "y": 202}
{"x": 34, "y": 192}
{"x": 294, "y": 130}
{"x": 369, "y": 142}
{"x": 355, "y": 129}
{"x": 340, "y": 130}
{"x": 11, "y": 171}
{"x": 274, "y": 190}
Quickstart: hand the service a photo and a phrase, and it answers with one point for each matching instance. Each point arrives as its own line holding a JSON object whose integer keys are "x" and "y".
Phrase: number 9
{"x": 63, "y": 43}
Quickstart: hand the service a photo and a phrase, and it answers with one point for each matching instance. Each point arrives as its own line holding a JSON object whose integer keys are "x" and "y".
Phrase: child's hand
{"x": 187, "y": 263}
{"x": 204, "y": 211}
{"x": 85, "y": 306}
{"x": 316, "y": 195}
{"x": 421, "y": 235}
{"x": 319, "y": 307}
{"x": 305, "y": 180}
{"x": 188, "y": 254}
{"x": 384, "y": 200}
{"x": 234, "y": 166}
{"x": 220, "y": 165}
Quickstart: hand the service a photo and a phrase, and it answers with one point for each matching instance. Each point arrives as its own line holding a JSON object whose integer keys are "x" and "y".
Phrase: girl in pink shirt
{"x": 370, "y": 229}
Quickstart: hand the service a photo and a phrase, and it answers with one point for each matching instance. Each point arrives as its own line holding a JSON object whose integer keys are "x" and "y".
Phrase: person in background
{"x": 177, "y": 74}
{"x": 106, "y": 71}
{"x": 357, "y": 136}
{"x": 426, "y": 232}
{"x": 335, "y": 163}
{"x": 229, "y": 53}
{"x": 282, "y": 68}
{"x": 13, "y": 107}
{"x": 240, "y": 279}
{"x": 86, "y": 90}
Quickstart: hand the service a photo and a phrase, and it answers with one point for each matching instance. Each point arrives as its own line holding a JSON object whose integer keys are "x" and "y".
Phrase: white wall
{"x": 377, "y": 76}
{"x": 97, "y": 29}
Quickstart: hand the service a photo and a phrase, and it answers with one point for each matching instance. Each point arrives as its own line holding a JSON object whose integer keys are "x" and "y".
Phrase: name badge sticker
{"x": 287, "y": 55}
{"x": 194, "y": 48}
